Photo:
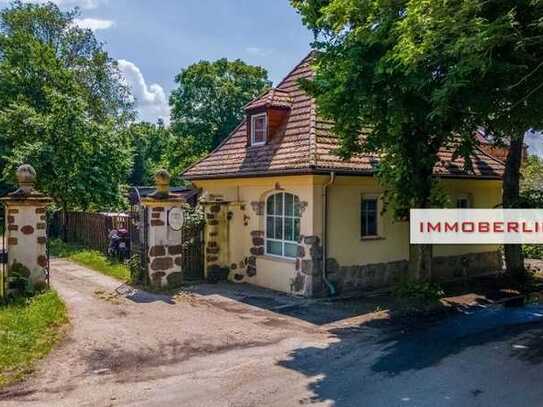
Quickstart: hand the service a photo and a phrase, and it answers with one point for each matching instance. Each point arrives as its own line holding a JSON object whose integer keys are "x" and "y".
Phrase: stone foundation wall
{"x": 308, "y": 280}
{"x": 381, "y": 275}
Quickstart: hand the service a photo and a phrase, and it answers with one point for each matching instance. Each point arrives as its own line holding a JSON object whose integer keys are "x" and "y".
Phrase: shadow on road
{"x": 350, "y": 364}
{"x": 314, "y": 312}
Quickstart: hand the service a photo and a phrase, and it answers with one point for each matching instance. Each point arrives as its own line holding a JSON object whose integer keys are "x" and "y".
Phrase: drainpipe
{"x": 329, "y": 285}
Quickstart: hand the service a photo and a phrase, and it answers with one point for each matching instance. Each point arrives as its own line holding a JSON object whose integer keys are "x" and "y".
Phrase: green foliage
{"x": 416, "y": 76}
{"x": 137, "y": 273}
{"x": 417, "y": 295}
{"x": 381, "y": 101}
{"x": 532, "y": 174}
{"x": 63, "y": 107}
{"x": 208, "y": 104}
{"x": 90, "y": 258}
{"x": 193, "y": 216}
{"x": 409, "y": 74}
{"x": 533, "y": 251}
{"x": 19, "y": 280}
{"x": 150, "y": 146}
{"x": 29, "y": 329}
{"x": 529, "y": 199}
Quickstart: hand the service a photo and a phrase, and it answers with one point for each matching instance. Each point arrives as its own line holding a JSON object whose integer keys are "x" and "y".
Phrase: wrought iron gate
{"x": 48, "y": 233}
{"x": 192, "y": 236}
{"x": 192, "y": 255}
{"x": 3, "y": 254}
{"x": 138, "y": 231}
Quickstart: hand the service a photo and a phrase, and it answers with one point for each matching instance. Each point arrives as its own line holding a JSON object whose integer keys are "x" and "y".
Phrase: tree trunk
{"x": 420, "y": 255}
{"x": 514, "y": 260}
{"x": 420, "y": 261}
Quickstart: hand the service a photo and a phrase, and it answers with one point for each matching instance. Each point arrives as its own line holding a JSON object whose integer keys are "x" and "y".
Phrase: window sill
{"x": 364, "y": 238}
{"x": 277, "y": 258}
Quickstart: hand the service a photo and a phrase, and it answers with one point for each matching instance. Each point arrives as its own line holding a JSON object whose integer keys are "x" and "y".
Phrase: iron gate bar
{"x": 3, "y": 254}
{"x": 49, "y": 220}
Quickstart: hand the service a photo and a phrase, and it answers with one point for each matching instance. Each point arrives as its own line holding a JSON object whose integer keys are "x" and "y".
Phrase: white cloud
{"x": 94, "y": 24}
{"x": 83, "y": 4}
{"x": 261, "y": 52}
{"x": 151, "y": 101}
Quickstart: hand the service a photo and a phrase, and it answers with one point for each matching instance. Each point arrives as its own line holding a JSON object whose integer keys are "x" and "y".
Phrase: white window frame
{"x": 283, "y": 216}
{"x": 253, "y": 120}
{"x": 374, "y": 197}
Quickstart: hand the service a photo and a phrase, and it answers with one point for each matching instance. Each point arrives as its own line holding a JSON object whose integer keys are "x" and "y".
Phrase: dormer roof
{"x": 274, "y": 98}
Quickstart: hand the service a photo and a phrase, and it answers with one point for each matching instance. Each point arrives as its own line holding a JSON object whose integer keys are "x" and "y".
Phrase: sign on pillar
{"x": 164, "y": 244}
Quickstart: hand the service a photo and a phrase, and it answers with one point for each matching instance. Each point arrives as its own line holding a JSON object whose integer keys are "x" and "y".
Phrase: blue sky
{"x": 154, "y": 39}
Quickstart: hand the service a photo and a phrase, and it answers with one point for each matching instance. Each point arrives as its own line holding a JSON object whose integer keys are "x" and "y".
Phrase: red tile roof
{"x": 272, "y": 98}
{"x": 305, "y": 145}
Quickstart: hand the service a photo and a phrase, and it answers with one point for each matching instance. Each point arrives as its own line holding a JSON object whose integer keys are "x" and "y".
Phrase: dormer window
{"x": 259, "y": 129}
{"x": 266, "y": 116}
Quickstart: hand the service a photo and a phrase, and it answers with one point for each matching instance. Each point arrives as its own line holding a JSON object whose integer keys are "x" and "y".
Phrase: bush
{"x": 137, "y": 273}
{"x": 533, "y": 251}
{"x": 417, "y": 295}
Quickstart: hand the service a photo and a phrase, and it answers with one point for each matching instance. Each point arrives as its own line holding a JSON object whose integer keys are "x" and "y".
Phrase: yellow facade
{"x": 244, "y": 213}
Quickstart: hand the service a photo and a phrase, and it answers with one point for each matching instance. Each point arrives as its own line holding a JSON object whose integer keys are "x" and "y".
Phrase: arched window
{"x": 282, "y": 224}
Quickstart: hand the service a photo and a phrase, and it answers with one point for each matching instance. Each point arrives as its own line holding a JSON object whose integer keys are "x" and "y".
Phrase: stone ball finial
{"x": 162, "y": 181}
{"x": 26, "y": 177}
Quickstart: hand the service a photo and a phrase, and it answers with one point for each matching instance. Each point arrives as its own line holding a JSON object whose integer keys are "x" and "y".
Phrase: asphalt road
{"x": 488, "y": 358}
{"x": 211, "y": 349}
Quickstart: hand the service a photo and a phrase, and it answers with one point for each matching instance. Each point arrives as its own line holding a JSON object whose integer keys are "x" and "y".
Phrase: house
{"x": 499, "y": 152}
{"x": 284, "y": 212}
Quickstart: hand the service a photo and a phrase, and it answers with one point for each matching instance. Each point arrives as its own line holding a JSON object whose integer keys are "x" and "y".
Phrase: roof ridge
{"x": 489, "y": 155}
{"x": 260, "y": 96}
{"x": 313, "y": 134}
{"x": 303, "y": 61}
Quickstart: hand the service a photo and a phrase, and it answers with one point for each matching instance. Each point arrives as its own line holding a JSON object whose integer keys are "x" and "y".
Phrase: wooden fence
{"x": 88, "y": 229}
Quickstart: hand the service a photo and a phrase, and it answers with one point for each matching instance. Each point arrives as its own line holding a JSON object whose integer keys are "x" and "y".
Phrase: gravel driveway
{"x": 210, "y": 348}
{"x": 146, "y": 349}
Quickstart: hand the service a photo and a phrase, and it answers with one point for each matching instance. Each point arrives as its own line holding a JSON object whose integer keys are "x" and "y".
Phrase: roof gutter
{"x": 329, "y": 285}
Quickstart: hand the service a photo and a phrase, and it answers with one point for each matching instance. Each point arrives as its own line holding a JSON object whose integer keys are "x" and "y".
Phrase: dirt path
{"x": 146, "y": 349}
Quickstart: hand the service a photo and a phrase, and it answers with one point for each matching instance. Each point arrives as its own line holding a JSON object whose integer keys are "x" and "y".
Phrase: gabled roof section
{"x": 275, "y": 98}
{"x": 305, "y": 144}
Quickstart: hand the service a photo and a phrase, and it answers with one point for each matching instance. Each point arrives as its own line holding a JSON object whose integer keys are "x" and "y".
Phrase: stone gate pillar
{"x": 164, "y": 243}
{"x": 26, "y": 228}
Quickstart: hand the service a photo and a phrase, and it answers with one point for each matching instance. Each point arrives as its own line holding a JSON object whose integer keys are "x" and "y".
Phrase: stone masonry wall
{"x": 164, "y": 252}
{"x": 308, "y": 280}
{"x": 372, "y": 276}
{"x": 214, "y": 239}
{"x": 26, "y": 240}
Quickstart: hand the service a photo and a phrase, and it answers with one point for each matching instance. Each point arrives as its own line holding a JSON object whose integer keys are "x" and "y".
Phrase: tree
{"x": 63, "y": 108}
{"x": 532, "y": 174}
{"x": 150, "y": 144}
{"x": 410, "y": 73}
{"x": 492, "y": 53}
{"x": 379, "y": 102}
{"x": 208, "y": 101}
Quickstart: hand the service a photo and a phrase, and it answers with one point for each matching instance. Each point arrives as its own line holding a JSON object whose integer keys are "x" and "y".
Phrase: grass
{"x": 29, "y": 327}
{"x": 89, "y": 258}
